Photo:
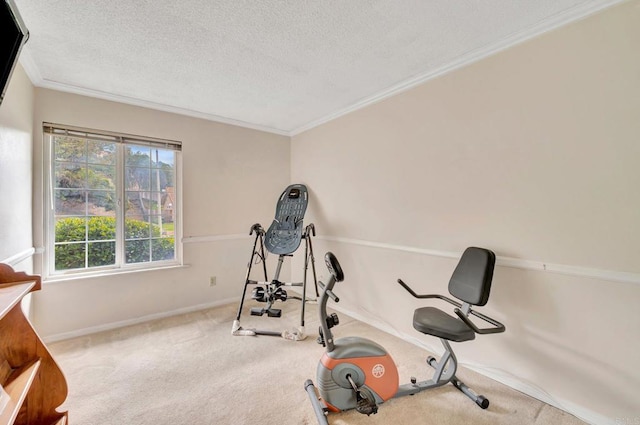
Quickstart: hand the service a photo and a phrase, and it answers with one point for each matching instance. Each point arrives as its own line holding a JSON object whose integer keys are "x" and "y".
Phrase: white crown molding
{"x": 37, "y": 80}
{"x": 600, "y": 274}
{"x": 561, "y": 19}
{"x": 53, "y": 85}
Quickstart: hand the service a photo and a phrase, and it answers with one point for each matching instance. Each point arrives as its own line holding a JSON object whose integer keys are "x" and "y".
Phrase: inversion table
{"x": 282, "y": 238}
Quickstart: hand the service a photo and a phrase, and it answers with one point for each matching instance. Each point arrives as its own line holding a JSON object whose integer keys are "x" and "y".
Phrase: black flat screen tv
{"x": 13, "y": 34}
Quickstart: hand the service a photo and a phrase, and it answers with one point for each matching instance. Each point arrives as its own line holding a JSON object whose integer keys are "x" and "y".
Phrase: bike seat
{"x": 433, "y": 321}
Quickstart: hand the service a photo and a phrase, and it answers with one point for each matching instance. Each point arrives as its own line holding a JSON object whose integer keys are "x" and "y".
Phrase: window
{"x": 113, "y": 201}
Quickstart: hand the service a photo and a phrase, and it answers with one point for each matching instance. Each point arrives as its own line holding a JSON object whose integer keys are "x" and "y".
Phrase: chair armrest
{"x": 498, "y": 327}
{"x": 425, "y": 296}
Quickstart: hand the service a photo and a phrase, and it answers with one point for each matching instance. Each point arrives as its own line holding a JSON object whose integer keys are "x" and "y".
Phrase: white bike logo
{"x": 377, "y": 371}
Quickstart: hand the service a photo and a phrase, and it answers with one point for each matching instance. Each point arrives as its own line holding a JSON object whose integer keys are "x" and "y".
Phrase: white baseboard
{"x": 538, "y": 393}
{"x": 120, "y": 324}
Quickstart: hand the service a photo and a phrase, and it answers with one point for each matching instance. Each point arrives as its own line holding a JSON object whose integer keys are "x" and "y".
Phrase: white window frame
{"x": 121, "y": 140}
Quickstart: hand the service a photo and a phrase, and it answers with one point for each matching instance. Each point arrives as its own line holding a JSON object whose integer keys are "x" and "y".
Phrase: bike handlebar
{"x": 426, "y": 296}
{"x": 333, "y": 296}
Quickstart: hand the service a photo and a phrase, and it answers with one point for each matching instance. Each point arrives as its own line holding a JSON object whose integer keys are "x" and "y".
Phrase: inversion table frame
{"x": 282, "y": 238}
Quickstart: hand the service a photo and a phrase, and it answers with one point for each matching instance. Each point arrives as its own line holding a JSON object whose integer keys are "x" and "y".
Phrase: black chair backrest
{"x": 471, "y": 280}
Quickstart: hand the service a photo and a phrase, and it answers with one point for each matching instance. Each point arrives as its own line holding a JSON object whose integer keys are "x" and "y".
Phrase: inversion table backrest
{"x": 285, "y": 233}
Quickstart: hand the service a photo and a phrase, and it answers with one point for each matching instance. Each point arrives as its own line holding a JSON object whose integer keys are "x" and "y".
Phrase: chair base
{"x": 480, "y": 400}
{"x": 444, "y": 372}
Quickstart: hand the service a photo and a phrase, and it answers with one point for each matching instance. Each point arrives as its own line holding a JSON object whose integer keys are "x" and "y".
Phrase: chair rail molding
{"x": 518, "y": 263}
{"x": 19, "y": 257}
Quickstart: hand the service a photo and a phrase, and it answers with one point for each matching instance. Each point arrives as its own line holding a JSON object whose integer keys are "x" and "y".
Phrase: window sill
{"x": 106, "y": 274}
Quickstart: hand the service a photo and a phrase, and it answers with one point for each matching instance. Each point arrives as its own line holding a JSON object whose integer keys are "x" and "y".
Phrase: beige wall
{"x": 16, "y": 116}
{"x": 532, "y": 152}
{"x": 231, "y": 179}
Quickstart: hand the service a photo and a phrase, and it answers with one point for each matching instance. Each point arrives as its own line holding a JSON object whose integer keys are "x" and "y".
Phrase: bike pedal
{"x": 257, "y": 312}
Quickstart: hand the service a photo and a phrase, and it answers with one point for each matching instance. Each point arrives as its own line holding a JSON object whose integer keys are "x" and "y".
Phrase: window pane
{"x": 102, "y": 229}
{"x": 70, "y": 175}
{"x": 167, "y": 179}
{"x": 138, "y": 178}
{"x": 70, "y": 149}
{"x": 101, "y": 202}
{"x": 102, "y": 254}
{"x": 168, "y": 228}
{"x": 71, "y": 229}
{"x": 70, "y": 202}
{"x": 155, "y": 206}
{"x": 137, "y": 156}
{"x": 136, "y": 251}
{"x": 158, "y": 180}
{"x": 162, "y": 158}
{"x": 136, "y": 207}
{"x": 136, "y": 229}
{"x": 70, "y": 256}
{"x": 168, "y": 205}
{"x": 156, "y": 226}
{"x": 101, "y": 152}
{"x": 101, "y": 177}
{"x": 162, "y": 249}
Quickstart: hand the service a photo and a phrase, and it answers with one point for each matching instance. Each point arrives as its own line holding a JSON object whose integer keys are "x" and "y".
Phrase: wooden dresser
{"x": 33, "y": 385}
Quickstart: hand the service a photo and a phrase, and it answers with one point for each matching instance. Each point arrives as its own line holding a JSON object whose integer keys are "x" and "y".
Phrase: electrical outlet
{"x": 212, "y": 281}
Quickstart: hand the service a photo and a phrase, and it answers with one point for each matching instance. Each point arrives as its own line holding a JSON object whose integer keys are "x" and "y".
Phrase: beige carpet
{"x": 189, "y": 370}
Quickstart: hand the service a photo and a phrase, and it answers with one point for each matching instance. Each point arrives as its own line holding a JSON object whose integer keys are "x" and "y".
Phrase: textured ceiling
{"x": 280, "y": 66}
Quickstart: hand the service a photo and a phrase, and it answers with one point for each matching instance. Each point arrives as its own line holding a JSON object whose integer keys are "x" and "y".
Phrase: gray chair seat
{"x": 433, "y": 321}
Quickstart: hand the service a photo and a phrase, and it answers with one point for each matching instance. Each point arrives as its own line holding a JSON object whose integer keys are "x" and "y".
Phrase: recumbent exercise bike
{"x": 357, "y": 373}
